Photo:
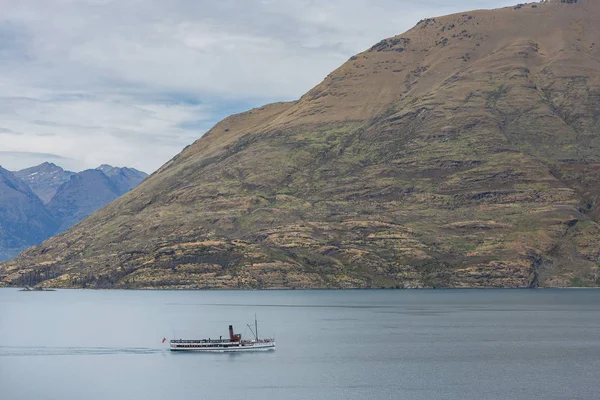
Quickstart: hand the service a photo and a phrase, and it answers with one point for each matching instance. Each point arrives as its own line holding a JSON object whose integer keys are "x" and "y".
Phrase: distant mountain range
{"x": 38, "y": 202}
{"x": 24, "y": 220}
{"x": 44, "y": 179}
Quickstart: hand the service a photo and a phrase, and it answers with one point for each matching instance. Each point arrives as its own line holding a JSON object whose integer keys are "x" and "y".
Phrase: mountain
{"x": 90, "y": 190}
{"x": 463, "y": 153}
{"x": 84, "y": 193}
{"x": 69, "y": 197}
{"x": 44, "y": 179}
{"x": 124, "y": 178}
{"x": 23, "y": 219}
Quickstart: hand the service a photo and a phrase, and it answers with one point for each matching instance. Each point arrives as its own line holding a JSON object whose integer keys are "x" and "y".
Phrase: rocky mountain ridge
{"x": 64, "y": 198}
{"x": 44, "y": 179}
{"x": 462, "y": 153}
{"x": 24, "y": 220}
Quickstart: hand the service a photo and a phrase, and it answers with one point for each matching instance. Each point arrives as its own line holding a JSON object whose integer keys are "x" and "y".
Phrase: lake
{"x": 363, "y": 344}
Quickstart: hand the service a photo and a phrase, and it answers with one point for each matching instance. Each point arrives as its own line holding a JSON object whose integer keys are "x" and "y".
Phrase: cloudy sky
{"x": 132, "y": 82}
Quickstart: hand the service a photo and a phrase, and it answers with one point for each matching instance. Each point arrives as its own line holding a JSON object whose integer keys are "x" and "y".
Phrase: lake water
{"x": 426, "y": 344}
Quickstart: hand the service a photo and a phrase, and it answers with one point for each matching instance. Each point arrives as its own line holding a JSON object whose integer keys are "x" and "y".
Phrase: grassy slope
{"x": 462, "y": 153}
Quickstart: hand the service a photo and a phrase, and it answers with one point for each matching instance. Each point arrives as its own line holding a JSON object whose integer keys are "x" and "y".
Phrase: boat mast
{"x": 255, "y": 327}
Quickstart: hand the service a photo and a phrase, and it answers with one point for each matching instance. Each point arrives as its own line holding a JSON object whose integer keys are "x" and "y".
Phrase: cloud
{"x": 16, "y": 160}
{"x": 131, "y": 83}
{"x": 32, "y": 154}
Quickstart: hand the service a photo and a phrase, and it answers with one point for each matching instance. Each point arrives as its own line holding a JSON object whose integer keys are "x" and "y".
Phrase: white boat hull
{"x": 225, "y": 347}
{"x": 230, "y": 350}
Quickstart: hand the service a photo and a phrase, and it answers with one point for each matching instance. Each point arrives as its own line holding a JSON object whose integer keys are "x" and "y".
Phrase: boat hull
{"x": 224, "y": 347}
{"x": 230, "y": 350}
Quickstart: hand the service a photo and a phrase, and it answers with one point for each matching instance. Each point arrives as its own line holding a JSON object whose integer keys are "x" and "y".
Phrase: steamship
{"x": 233, "y": 343}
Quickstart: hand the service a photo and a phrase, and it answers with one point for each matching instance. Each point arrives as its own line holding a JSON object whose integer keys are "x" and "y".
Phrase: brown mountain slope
{"x": 465, "y": 152}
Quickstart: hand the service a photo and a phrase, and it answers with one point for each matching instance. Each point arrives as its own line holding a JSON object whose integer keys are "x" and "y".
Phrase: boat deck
{"x": 221, "y": 345}
{"x": 219, "y": 341}
{"x": 233, "y": 343}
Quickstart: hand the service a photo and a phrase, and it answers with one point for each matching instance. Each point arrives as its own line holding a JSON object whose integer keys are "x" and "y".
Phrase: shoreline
{"x": 54, "y": 289}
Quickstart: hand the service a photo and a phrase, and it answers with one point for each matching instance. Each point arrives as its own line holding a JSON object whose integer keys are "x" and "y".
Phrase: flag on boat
{"x": 164, "y": 339}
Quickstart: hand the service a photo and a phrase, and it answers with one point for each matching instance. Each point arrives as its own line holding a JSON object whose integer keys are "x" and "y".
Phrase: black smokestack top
{"x": 231, "y": 336}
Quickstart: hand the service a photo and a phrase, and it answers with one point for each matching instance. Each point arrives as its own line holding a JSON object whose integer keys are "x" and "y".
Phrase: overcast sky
{"x": 132, "y": 82}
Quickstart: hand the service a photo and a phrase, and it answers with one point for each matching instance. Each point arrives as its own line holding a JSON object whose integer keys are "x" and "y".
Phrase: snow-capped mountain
{"x": 44, "y": 179}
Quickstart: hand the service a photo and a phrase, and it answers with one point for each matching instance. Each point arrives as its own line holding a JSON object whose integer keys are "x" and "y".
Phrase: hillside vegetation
{"x": 462, "y": 153}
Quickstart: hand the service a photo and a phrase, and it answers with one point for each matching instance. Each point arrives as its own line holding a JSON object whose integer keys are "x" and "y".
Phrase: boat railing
{"x": 182, "y": 341}
{"x": 267, "y": 340}
{"x": 201, "y": 341}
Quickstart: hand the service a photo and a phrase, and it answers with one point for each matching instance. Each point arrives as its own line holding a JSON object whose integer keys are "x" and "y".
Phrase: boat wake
{"x": 21, "y": 351}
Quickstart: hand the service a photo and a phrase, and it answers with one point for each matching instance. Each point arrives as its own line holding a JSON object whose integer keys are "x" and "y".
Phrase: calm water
{"x": 430, "y": 344}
